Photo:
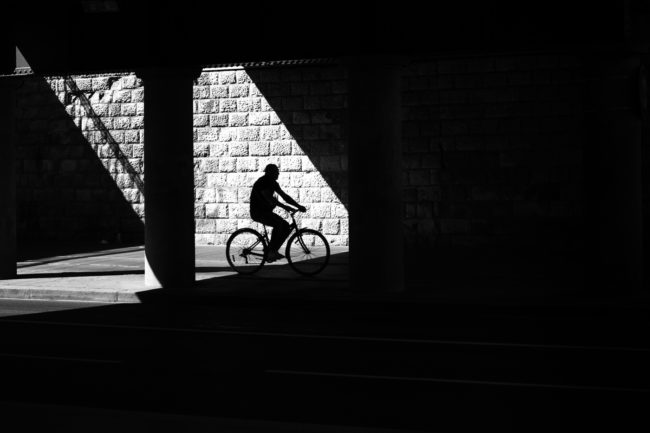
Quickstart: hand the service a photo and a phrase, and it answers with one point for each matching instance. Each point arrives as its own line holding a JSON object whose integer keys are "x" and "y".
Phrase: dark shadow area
{"x": 309, "y": 362}
{"x": 311, "y": 104}
{"x": 65, "y": 194}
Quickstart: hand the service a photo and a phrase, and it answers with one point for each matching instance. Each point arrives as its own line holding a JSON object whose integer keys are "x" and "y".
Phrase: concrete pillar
{"x": 169, "y": 177}
{"x": 612, "y": 164}
{"x": 375, "y": 174}
{"x": 7, "y": 159}
{"x": 7, "y": 179}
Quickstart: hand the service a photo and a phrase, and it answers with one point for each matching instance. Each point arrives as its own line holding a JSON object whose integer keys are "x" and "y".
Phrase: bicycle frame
{"x": 293, "y": 226}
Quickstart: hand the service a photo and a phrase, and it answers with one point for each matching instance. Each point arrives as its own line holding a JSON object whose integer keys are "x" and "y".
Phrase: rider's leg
{"x": 281, "y": 229}
{"x": 280, "y": 232}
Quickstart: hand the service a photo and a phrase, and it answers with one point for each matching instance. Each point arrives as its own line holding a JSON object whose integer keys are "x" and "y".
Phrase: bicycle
{"x": 307, "y": 251}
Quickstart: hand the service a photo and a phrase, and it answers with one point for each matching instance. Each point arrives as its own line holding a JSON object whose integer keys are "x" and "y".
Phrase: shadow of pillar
{"x": 169, "y": 174}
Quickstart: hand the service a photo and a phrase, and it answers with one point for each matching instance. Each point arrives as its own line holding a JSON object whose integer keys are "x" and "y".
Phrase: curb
{"x": 58, "y": 294}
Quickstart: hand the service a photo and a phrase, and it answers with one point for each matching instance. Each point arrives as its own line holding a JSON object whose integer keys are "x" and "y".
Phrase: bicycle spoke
{"x": 245, "y": 251}
{"x": 308, "y": 252}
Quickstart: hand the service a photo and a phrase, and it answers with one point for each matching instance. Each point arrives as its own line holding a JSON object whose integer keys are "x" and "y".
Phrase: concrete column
{"x": 612, "y": 161}
{"x": 169, "y": 178}
{"x": 8, "y": 86}
{"x": 7, "y": 179}
{"x": 375, "y": 174}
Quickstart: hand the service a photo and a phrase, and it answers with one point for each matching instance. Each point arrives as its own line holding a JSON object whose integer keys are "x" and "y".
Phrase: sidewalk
{"x": 116, "y": 274}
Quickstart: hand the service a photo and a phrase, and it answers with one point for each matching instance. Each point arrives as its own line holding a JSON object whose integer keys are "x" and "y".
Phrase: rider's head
{"x": 272, "y": 171}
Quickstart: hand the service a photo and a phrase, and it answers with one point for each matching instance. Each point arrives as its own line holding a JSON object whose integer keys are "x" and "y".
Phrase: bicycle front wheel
{"x": 308, "y": 252}
{"x": 245, "y": 251}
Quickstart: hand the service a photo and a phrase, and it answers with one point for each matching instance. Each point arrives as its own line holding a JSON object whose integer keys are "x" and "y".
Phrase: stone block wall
{"x": 246, "y": 119}
{"x": 80, "y": 158}
{"x": 493, "y": 153}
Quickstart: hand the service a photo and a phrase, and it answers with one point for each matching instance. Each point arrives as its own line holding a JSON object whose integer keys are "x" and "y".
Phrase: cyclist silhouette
{"x": 262, "y": 203}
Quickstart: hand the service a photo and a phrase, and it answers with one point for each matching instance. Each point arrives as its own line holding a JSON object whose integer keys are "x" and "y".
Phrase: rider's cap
{"x": 271, "y": 168}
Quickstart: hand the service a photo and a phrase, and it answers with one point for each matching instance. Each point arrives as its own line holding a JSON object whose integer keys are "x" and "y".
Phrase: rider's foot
{"x": 272, "y": 256}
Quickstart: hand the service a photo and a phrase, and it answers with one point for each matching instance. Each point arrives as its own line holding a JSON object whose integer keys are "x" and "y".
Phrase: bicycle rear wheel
{"x": 308, "y": 252}
{"x": 245, "y": 251}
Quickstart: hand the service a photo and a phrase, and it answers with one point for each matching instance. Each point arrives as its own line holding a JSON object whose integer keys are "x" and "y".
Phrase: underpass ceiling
{"x": 86, "y": 36}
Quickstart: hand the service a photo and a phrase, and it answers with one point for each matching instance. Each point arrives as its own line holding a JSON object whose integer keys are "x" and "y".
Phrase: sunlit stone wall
{"x": 243, "y": 120}
{"x": 292, "y": 117}
{"x": 492, "y": 151}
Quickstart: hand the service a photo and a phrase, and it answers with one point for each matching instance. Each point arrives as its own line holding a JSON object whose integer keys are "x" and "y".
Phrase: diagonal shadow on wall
{"x": 311, "y": 103}
{"x": 66, "y": 196}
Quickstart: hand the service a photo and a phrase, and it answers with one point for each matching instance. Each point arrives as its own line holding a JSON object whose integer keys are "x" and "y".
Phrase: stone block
{"x": 259, "y": 119}
{"x": 238, "y": 119}
{"x": 242, "y": 77}
{"x": 205, "y": 239}
{"x": 281, "y": 148}
{"x": 100, "y": 83}
{"x": 137, "y": 95}
{"x": 270, "y": 133}
{"x": 201, "y": 150}
{"x": 131, "y": 82}
{"x": 344, "y": 227}
{"x": 309, "y": 195}
{"x": 218, "y": 149}
{"x": 259, "y": 148}
{"x": 205, "y": 225}
{"x": 255, "y": 91}
{"x": 121, "y": 96}
{"x": 84, "y": 84}
{"x": 121, "y": 123}
{"x": 226, "y": 226}
{"x": 245, "y": 105}
{"x": 243, "y": 195}
{"x": 291, "y": 163}
{"x": 131, "y": 136}
{"x": 218, "y": 120}
{"x": 227, "y": 105}
{"x": 201, "y": 92}
{"x": 239, "y": 91}
{"x": 219, "y": 92}
{"x": 138, "y": 151}
{"x": 129, "y": 109}
{"x": 216, "y": 210}
{"x": 207, "y": 106}
{"x": 240, "y": 211}
{"x": 246, "y": 164}
{"x": 207, "y": 134}
{"x": 205, "y": 195}
{"x": 215, "y": 180}
{"x": 331, "y": 227}
{"x": 238, "y": 148}
{"x": 227, "y": 165}
{"x": 310, "y": 223}
{"x": 237, "y": 180}
{"x": 251, "y": 133}
{"x": 201, "y": 120}
{"x": 124, "y": 180}
{"x": 227, "y": 77}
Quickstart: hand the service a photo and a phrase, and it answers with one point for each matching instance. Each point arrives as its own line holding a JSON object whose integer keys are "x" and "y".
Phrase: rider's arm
{"x": 286, "y": 197}
{"x": 270, "y": 198}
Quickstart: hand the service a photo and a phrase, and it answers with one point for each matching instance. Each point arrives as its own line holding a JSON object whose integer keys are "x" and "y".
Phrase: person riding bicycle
{"x": 262, "y": 203}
